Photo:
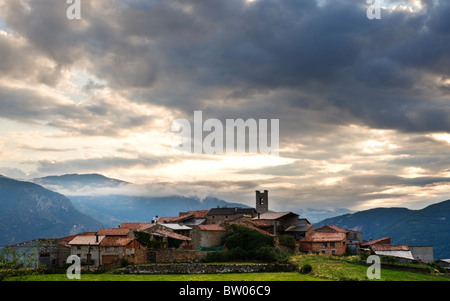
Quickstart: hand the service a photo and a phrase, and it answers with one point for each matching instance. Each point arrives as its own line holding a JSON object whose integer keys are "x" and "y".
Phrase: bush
{"x": 288, "y": 241}
{"x": 271, "y": 254}
{"x": 246, "y": 238}
{"x": 306, "y": 269}
{"x": 247, "y": 244}
{"x": 436, "y": 265}
{"x": 216, "y": 256}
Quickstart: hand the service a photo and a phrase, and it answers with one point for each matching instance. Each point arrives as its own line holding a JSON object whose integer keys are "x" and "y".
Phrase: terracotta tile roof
{"x": 198, "y": 213}
{"x": 261, "y": 224}
{"x": 114, "y": 231}
{"x": 174, "y": 219}
{"x": 213, "y": 227}
{"x": 115, "y": 241}
{"x": 388, "y": 247}
{"x": 135, "y": 226}
{"x": 173, "y": 235}
{"x": 87, "y": 240}
{"x": 332, "y": 228}
{"x": 384, "y": 240}
{"x": 324, "y": 237}
{"x": 64, "y": 241}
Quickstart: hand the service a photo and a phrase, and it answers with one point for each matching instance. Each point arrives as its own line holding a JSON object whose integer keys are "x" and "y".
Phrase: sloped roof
{"x": 396, "y": 253}
{"x": 87, "y": 240}
{"x": 332, "y": 228}
{"x": 231, "y": 211}
{"x": 324, "y": 237}
{"x": 198, "y": 213}
{"x": 176, "y": 227}
{"x": 388, "y": 247}
{"x": 113, "y": 231}
{"x": 212, "y": 227}
{"x": 64, "y": 241}
{"x": 384, "y": 240}
{"x": 260, "y": 223}
{"x": 172, "y": 235}
{"x": 274, "y": 215}
{"x": 174, "y": 219}
{"x": 298, "y": 228}
{"x": 115, "y": 241}
{"x": 135, "y": 226}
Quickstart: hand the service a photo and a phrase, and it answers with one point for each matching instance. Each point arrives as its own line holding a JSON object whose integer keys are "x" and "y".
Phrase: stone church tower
{"x": 262, "y": 201}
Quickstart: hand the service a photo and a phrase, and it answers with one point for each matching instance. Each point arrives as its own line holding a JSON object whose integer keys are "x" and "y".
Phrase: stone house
{"x": 207, "y": 236}
{"x": 280, "y": 221}
{"x": 39, "y": 251}
{"x": 87, "y": 248}
{"x": 113, "y": 248}
{"x": 300, "y": 229}
{"x": 329, "y": 243}
{"x": 220, "y": 215}
{"x": 115, "y": 232}
{"x": 405, "y": 253}
{"x": 97, "y": 250}
{"x": 354, "y": 238}
{"x": 445, "y": 263}
{"x": 422, "y": 253}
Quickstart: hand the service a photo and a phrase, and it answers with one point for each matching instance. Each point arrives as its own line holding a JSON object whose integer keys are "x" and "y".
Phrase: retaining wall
{"x": 199, "y": 268}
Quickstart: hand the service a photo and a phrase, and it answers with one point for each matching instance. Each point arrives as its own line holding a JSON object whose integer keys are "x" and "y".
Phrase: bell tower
{"x": 262, "y": 201}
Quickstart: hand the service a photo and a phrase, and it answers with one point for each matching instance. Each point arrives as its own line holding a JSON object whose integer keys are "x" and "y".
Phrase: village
{"x": 193, "y": 234}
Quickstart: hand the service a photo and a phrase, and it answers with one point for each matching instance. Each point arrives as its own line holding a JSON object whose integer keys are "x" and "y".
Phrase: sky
{"x": 363, "y": 104}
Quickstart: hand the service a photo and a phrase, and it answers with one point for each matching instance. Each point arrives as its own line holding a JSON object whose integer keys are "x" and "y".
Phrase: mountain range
{"x": 39, "y": 210}
{"x": 29, "y": 211}
{"x": 427, "y": 226}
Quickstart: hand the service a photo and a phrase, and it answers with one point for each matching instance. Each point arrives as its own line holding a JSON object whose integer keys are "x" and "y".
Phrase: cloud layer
{"x": 363, "y": 104}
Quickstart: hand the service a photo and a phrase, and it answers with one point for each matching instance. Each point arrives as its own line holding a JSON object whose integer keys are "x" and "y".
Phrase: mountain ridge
{"x": 427, "y": 226}
{"x": 29, "y": 211}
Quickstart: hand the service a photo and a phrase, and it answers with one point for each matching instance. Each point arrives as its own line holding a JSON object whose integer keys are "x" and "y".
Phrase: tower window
{"x": 261, "y": 201}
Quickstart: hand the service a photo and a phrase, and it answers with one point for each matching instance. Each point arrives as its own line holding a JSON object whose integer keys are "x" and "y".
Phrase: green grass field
{"x": 323, "y": 268}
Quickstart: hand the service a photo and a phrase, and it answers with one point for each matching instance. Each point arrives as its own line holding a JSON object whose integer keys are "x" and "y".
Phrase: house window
{"x": 333, "y": 252}
{"x": 324, "y": 245}
{"x": 343, "y": 243}
{"x": 78, "y": 247}
{"x": 332, "y": 245}
{"x": 323, "y": 251}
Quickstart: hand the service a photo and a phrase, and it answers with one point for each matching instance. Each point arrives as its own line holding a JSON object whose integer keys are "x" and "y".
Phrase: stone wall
{"x": 199, "y": 268}
{"x": 167, "y": 255}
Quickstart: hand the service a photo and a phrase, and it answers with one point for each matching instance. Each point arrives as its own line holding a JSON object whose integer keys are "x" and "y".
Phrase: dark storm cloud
{"x": 331, "y": 60}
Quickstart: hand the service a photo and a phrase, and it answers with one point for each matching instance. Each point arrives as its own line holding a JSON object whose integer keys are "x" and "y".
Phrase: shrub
{"x": 287, "y": 241}
{"x": 306, "y": 269}
{"x": 436, "y": 265}
{"x": 246, "y": 238}
{"x": 271, "y": 254}
{"x": 247, "y": 244}
{"x": 216, "y": 256}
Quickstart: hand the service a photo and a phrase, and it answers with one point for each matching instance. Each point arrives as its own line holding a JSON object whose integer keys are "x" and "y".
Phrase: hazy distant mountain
{"x": 29, "y": 211}
{"x": 314, "y": 215}
{"x": 111, "y": 210}
{"x": 427, "y": 226}
{"x": 78, "y": 181}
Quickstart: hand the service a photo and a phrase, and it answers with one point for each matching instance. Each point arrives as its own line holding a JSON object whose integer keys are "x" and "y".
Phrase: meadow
{"x": 324, "y": 268}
